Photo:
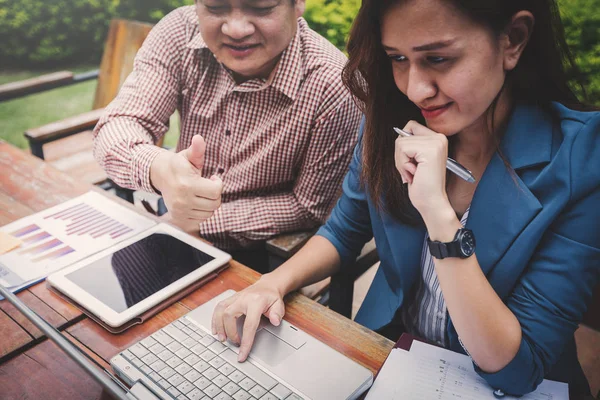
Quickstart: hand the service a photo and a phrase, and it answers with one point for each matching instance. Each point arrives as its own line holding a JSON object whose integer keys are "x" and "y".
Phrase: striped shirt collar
{"x": 287, "y": 74}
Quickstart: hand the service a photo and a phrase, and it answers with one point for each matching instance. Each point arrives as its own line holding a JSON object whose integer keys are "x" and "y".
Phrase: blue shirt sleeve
{"x": 551, "y": 297}
{"x": 349, "y": 225}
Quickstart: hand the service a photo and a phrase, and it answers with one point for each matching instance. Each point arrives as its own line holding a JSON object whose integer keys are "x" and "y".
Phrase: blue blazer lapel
{"x": 503, "y": 205}
{"x": 501, "y": 208}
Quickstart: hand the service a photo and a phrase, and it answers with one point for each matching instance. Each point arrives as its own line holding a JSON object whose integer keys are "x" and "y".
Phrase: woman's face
{"x": 450, "y": 67}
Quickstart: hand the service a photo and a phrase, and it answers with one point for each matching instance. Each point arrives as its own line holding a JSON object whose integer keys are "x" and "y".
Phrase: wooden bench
{"x": 67, "y": 144}
{"x": 42, "y": 83}
{"x": 14, "y": 90}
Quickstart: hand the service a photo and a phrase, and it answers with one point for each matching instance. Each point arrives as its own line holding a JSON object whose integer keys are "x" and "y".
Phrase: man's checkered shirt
{"x": 281, "y": 146}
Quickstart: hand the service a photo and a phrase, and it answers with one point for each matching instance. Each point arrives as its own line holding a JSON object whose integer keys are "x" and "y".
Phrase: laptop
{"x": 184, "y": 361}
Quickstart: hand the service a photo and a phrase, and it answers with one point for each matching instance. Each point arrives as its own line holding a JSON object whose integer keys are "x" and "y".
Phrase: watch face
{"x": 467, "y": 243}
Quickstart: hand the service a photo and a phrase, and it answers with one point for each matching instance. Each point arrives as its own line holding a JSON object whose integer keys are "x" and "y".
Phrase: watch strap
{"x": 442, "y": 250}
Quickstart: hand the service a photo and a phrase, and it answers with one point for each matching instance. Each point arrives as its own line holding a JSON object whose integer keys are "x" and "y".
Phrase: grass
{"x": 16, "y": 116}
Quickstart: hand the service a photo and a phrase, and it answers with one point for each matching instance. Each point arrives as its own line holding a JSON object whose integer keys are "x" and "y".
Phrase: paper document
{"x": 64, "y": 234}
{"x": 8, "y": 242}
{"x": 429, "y": 372}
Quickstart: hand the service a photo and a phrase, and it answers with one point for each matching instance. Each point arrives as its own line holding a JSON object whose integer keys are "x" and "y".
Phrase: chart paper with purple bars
{"x": 67, "y": 233}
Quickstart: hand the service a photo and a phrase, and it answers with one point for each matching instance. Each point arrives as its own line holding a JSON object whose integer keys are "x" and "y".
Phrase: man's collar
{"x": 287, "y": 74}
{"x": 197, "y": 42}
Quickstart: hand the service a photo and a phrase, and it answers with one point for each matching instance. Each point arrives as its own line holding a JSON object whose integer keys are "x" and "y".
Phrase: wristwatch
{"x": 462, "y": 246}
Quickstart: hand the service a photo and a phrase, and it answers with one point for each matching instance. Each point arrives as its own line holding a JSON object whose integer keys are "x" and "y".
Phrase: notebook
{"x": 431, "y": 372}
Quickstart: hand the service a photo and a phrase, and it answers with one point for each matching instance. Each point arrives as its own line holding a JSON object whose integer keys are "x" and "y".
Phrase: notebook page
{"x": 546, "y": 390}
{"x": 411, "y": 376}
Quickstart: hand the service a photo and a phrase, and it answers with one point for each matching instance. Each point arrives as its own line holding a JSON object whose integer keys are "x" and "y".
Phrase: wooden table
{"x": 32, "y": 367}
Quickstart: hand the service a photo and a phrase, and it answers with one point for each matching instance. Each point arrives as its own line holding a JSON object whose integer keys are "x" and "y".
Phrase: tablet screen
{"x": 135, "y": 272}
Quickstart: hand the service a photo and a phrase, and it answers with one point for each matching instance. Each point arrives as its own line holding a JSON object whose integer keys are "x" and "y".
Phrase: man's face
{"x": 248, "y": 36}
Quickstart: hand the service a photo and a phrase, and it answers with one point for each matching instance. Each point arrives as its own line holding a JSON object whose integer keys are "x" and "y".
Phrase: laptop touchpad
{"x": 269, "y": 349}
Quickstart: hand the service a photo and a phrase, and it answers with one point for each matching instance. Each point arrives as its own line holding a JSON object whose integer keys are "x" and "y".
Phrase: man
{"x": 267, "y": 127}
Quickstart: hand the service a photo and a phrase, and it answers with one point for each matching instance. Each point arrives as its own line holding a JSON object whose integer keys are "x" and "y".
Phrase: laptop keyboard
{"x": 190, "y": 364}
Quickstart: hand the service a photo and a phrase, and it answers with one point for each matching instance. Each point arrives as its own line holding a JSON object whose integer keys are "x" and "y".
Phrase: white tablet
{"x": 122, "y": 282}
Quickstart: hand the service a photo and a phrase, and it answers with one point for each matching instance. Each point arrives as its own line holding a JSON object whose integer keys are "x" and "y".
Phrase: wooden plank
{"x": 107, "y": 345}
{"x": 61, "y": 148}
{"x": 13, "y": 336}
{"x": 17, "y": 331}
{"x": 86, "y": 350}
{"x": 82, "y": 166}
{"x": 39, "y": 307}
{"x": 11, "y": 210}
{"x": 45, "y": 372}
{"x": 74, "y": 156}
{"x": 287, "y": 244}
{"x": 63, "y": 308}
{"x": 103, "y": 395}
{"x": 346, "y": 336}
{"x": 16, "y": 89}
{"x": 124, "y": 39}
{"x": 63, "y": 127}
{"x": 28, "y": 185}
{"x": 34, "y": 183}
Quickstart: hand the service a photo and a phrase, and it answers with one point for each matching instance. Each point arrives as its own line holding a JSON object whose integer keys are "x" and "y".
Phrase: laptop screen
{"x": 135, "y": 272}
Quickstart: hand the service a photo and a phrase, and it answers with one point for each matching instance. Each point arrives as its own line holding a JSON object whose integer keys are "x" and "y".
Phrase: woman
{"x": 483, "y": 82}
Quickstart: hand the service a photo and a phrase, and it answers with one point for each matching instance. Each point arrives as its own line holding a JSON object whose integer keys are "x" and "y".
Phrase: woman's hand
{"x": 421, "y": 162}
{"x": 262, "y": 298}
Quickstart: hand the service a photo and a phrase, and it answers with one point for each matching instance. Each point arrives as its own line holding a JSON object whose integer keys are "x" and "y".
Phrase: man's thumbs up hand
{"x": 195, "y": 153}
{"x": 189, "y": 197}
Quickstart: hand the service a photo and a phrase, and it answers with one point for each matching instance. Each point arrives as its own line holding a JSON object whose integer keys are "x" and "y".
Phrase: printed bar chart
{"x": 36, "y": 238}
{"x": 67, "y": 233}
{"x": 24, "y": 231}
{"x": 84, "y": 219}
{"x": 42, "y": 247}
{"x": 55, "y": 254}
{"x": 79, "y": 219}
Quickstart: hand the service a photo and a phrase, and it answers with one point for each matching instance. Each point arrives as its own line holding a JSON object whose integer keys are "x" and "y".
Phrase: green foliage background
{"x": 44, "y": 33}
{"x": 48, "y": 33}
{"x": 582, "y": 30}
{"x": 332, "y": 18}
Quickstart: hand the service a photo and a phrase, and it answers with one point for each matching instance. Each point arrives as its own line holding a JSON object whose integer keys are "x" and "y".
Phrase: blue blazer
{"x": 538, "y": 241}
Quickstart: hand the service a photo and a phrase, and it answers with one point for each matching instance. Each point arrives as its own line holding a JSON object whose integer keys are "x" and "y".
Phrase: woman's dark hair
{"x": 539, "y": 78}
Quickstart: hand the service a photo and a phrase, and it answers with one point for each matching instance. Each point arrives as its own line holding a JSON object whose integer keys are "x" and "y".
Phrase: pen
{"x": 451, "y": 164}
